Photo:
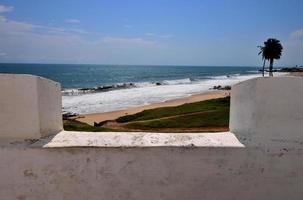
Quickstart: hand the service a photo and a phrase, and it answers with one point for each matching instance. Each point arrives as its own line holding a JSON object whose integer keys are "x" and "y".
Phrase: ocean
{"x": 102, "y": 88}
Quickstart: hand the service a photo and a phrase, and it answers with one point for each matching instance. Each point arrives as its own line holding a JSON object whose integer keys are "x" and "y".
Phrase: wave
{"x": 145, "y": 93}
{"x": 104, "y": 88}
{"x": 119, "y": 86}
{"x": 178, "y": 81}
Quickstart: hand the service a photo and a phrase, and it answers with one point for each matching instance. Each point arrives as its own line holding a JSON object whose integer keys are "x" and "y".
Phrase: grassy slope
{"x": 73, "y": 125}
{"x": 210, "y": 113}
{"x": 205, "y": 114}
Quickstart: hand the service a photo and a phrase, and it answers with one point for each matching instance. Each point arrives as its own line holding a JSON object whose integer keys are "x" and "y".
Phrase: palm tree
{"x": 262, "y": 49}
{"x": 271, "y": 50}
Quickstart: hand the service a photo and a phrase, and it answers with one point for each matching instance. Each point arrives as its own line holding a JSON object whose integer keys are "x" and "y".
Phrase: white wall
{"x": 30, "y": 107}
{"x": 265, "y": 115}
{"x": 268, "y": 109}
{"x": 50, "y": 106}
{"x": 149, "y": 173}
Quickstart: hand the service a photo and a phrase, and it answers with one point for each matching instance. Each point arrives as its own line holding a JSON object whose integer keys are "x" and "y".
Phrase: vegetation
{"x": 204, "y": 114}
{"x": 211, "y": 115}
{"x": 201, "y": 106}
{"x": 215, "y": 118}
{"x": 73, "y": 125}
{"x": 271, "y": 50}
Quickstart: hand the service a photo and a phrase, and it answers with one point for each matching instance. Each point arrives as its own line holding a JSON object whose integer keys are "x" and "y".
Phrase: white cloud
{"x": 80, "y": 31}
{"x": 296, "y": 38}
{"x": 13, "y": 27}
{"x": 4, "y": 8}
{"x": 166, "y": 36}
{"x": 73, "y": 21}
{"x": 297, "y": 33}
{"x": 120, "y": 41}
{"x": 150, "y": 34}
{"x": 127, "y": 26}
{"x": 293, "y": 49}
{"x": 27, "y": 42}
{"x": 16, "y": 27}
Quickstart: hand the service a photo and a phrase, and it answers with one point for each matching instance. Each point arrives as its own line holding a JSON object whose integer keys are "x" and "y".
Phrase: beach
{"x": 296, "y": 74}
{"x": 99, "y": 117}
{"x": 90, "y": 118}
{"x": 106, "y": 92}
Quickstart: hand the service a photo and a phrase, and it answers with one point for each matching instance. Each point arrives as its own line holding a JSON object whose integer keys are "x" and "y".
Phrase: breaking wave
{"x": 137, "y": 94}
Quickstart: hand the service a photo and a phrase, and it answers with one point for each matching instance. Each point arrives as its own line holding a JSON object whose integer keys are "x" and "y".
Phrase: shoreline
{"x": 99, "y": 117}
{"x": 145, "y": 94}
{"x": 90, "y": 118}
{"x": 296, "y": 74}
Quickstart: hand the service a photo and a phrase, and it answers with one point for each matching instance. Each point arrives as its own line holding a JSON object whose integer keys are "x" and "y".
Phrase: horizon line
{"x": 175, "y": 65}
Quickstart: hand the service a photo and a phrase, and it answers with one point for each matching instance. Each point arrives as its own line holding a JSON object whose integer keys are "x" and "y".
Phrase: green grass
{"x": 73, "y": 125}
{"x": 205, "y": 114}
{"x": 215, "y": 118}
{"x": 209, "y": 105}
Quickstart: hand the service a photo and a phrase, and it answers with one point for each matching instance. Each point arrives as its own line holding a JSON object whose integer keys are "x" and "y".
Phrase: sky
{"x": 155, "y": 32}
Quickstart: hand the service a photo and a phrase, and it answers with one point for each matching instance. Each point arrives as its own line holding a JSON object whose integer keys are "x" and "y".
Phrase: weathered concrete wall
{"x": 50, "y": 106}
{"x": 268, "y": 109}
{"x": 265, "y": 116}
{"x": 30, "y": 107}
{"x": 169, "y": 173}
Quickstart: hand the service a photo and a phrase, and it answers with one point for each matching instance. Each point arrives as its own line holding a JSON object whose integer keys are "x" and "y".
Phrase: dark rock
{"x": 99, "y": 124}
{"x": 227, "y": 87}
{"x": 96, "y": 124}
{"x": 291, "y": 69}
{"x": 68, "y": 115}
{"x": 219, "y": 87}
{"x": 103, "y": 88}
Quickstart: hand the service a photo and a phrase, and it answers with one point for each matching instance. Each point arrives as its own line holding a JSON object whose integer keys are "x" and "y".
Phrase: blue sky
{"x": 173, "y": 32}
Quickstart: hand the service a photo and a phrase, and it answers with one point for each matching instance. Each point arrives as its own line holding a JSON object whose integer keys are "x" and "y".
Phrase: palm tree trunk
{"x": 271, "y": 67}
{"x": 263, "y": 67}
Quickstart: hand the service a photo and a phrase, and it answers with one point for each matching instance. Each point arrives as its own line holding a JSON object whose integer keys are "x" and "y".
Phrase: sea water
{"x": 128, "y": 85}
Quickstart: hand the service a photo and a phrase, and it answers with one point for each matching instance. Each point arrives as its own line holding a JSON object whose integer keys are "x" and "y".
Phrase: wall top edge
{"x": 29, "y": 76}
{"x": 139, "y": 139}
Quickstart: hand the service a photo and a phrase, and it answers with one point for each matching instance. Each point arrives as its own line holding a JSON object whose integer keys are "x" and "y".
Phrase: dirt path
{"x": 121, "y": 127}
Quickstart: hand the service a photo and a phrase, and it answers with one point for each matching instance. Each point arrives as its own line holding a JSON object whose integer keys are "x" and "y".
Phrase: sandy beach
{"x": 296, "y": 73}
{"x": 99, "y": 117}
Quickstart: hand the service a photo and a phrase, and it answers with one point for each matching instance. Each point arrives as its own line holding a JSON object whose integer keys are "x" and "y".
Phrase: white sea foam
{"x": 166, "y": 82}
{"x": 144, "y": 94}
{"x": 178, "y": 81}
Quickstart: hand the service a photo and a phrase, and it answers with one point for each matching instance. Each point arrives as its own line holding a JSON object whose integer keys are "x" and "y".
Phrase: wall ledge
{"x": 138, "y": 139}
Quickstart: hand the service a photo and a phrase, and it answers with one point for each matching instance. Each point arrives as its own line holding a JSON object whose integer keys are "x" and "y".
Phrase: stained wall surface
{"x": 148, "y": 173}
{"x": 30, "y": 107}
{"x": 261, "y": 159}
{"x": 268, "y": 109}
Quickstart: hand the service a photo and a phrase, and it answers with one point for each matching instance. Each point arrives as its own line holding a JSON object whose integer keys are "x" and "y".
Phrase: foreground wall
{"x": 151, "y": 173}
{"x": 268, "y": 109}
{"x": 30, "y": 107}
{"x": 77, "y": 165}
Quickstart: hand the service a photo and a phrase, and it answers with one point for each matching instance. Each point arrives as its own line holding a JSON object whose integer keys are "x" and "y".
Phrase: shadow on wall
{"x": 265, "y": 116}
{"x": 265, "y": 110}
{"x": 30, "y": 107}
